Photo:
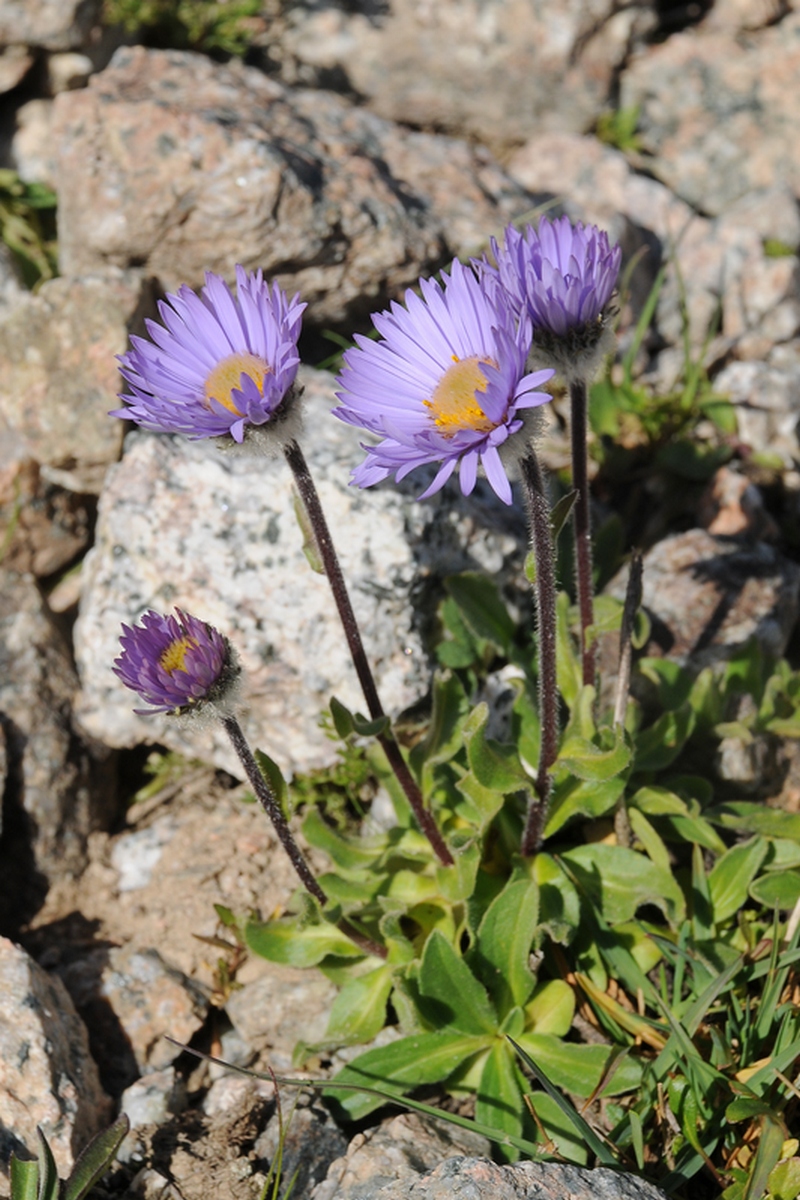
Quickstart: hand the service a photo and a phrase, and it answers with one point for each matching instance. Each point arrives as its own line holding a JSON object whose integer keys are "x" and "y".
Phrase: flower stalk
{"x": 330, "y": 561}
{"x": 272, "y": 808}
{"x": 582, "y": 523}
{"x": 545, "y": 595}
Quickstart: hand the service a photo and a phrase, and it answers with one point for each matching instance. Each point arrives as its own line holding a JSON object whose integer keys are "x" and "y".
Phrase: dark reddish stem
{"x": 272, "y": 808}
{"x": 330, "y": 561}
{"x": 582, "y": 522}
{"x": 545, "y": 593}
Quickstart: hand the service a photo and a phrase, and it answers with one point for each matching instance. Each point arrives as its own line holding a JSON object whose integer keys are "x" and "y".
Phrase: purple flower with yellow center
{"x": 219, "y": 362}
{"x": 562, "y": 276}
{"x": 176, "y": 663}
{"x": 445, "y": 384}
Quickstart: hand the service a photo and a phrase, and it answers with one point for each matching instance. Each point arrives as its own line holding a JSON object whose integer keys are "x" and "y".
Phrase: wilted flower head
{"x": 445, "y": 384}
{"x": 562, "y": 276}
{"x": 220, "y": 361}
{"x": 176, "y": 663}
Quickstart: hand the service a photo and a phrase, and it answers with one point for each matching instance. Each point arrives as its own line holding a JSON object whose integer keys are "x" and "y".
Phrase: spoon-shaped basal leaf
{"x": 455, "y": 997}
{"x": 503, "y": 945}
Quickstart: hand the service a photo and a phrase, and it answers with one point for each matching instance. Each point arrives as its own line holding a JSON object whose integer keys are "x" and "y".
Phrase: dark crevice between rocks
{"x": 23, "y": 886}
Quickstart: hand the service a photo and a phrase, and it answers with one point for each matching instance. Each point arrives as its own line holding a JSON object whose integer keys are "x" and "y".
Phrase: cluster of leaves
{"x": 212, "y": 26}
{"x": 618, "y": 127}
{"x": 653, "y": 917}
{"x": 28, "y": 226}
{"x": 37, "y": 1179}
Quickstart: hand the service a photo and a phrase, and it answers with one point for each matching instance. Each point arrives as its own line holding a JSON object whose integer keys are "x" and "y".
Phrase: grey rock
{"x": 181, "y": 524}
{"x": 47, "y": 1075}
{"x": 286, "y": 1005}
{"x": 767, "y": 400}
{"x": 718, "y": 111}
{"x": 149, "y": 1101}
{"x": 707, "y": 596}
{"x": 171, "y": 161}
{"x": 51, "y": 24}
{"x": 57, "y": 792}
{"x": 497, "y": 70}
{"x": 136, "y": 855}
{"x": 32, "y": 152}
{"x": 15, "y": 62}
{"x": 67, "y": 70}
{"x": 130, "y": 998}
{"x": 395, "y": 1154}
{"x": 58, "y": 375}
{"x": 312, "y": 1142}
{"x": 477, "y": 1179}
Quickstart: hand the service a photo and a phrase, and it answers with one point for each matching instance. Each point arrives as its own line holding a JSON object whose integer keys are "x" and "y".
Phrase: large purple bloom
{"x": 445, "y": 384}
{"x": 560, "y": 275}
{"x": 219, "y": 362}
{"x": 176, "y": 663}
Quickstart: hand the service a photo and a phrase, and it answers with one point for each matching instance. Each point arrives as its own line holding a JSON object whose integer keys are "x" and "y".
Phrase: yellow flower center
{"x": 172, "y": 659}
{"x": 227, "y": 375}
{"x": 454, "y": 404}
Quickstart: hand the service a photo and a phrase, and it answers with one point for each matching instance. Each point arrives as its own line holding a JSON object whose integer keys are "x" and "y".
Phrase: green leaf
{"x": 358, "y": 1013}
{"x": 444, "y": 736}
{"x": 658, "y": 746}
{"x": 777, "y": 889}
{"x": 298, "y": 943}
{"x": 310, "y": 548}
{"x": 578, "y": 1068}
{"x": 587, "y": 761}
{"x": 783, "y": 1183}
{"x": 579, "y": 798}
{"x": 619, "y": 880}
{"x": 747, "y": 817}
{"x": 273, "y": 777}
{"x": 569, "y": 672}
{"x": 673, "y": 682}
{"x": 342, "y": 718}
{"x": 95, "y": 1159}
{"x": 499, "y": 1100}
{"x": 653, "y": 845}
{"x": 352, "y": 856}
{"x": 49, "y": 1185}
{"x": 560, "y": 513}
{"x": 551, "y": 1008}
{"x": 559, "y": 905}
{"x": 403, "y": 1065}
{"x": 24, "y": 1178}
{"x": 503, "y": 944}
{"x": 484, "y": 612}
{"x": 770, "y": 1144}
{"x": 732, "y": 875}
{"x": 493, "y": 765}
{"x": 484, "y": 802}
{"x": 459, "y": 999}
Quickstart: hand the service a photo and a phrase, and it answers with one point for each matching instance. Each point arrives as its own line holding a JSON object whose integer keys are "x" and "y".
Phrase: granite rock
{"x": 58, "y": 374}
{"x": 181, "y": 165}
{"x": 767, "y": 399}
{"x": 284, "y": 1006}
{"x": 707, "y": 596}
{"x": 57, "y": 793}
{"x": 47, "y": 1075}
{"x": 718, "y": 111}
{"x": 495, "y": 70}
{"x": 15, "y": 62}
{"x": 50, "y": 24}
{"x": 482, "y": 1180}
{"x": 181, "y": 524}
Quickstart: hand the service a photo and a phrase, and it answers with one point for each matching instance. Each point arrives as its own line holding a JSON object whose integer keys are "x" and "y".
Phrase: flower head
{"x": 176, "y": 663}
{"x": 219, "y": 362}
{"x": 445, "y": 384}
{"x": 562, "y": 276}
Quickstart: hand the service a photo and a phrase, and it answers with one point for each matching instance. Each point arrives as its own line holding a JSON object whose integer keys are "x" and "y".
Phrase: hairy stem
{"x": 545, "y": 594}
{"x": 582, "y": 522}
{"x": 330, "y": 561}
{"x": 272, "y": 808}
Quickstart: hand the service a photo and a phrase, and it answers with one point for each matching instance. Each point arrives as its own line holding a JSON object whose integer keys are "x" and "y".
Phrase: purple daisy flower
{"x": 219, "y": 362}
{"x": 445, "y": 384}
{"x": 176, "y": 663}
{"x": 562, "y": 276}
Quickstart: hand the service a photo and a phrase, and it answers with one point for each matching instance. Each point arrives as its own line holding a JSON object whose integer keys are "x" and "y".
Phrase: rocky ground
{"x": 358, "y": 146}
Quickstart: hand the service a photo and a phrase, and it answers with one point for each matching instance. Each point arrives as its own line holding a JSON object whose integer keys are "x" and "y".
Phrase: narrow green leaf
{"x": 342, "y": 718}
{"x": 274, "y": 779}
{"x": 770, "y": 1145}
{"x": 49, "y": 1185}
{"x": 444, "y": 736}
{"x": 24, "y": 1179}
{"x": 446, "y": 980}
{"x": 289, "y": 940}
{"x": 584, "y": 1130}
{"x": 560, "y": 513}
{"x": 569, "y": 674}
{"x": 351, "y": 855}
{"x": 579, "y": 798}
{"x": 587, "y": 761}
{"x": 95, "y": 1159}
{"x": 653, "y": 845}
{"x": 484, "y": 612}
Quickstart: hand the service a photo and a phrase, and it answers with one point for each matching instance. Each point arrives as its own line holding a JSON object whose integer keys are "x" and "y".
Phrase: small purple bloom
{"x": 560, "y": 275}
{"x": 219, "y": 362}
{"x": 445, "y": 384}
{"x": 176, "y": 663}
